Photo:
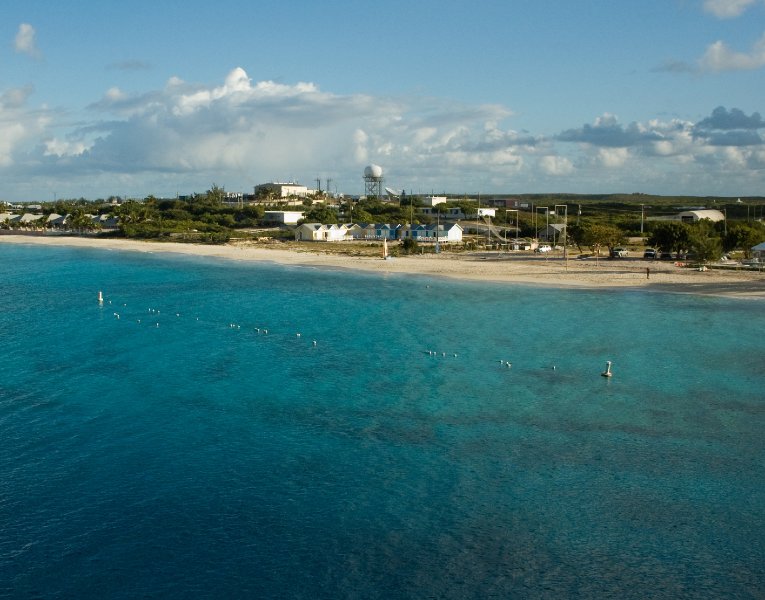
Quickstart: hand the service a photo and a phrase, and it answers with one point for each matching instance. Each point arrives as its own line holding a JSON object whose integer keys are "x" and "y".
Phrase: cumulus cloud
{"x": 613, "y": 157}
{"x": 735, "y": 118}
{"x": 556, "y": 165}
{"x": 240, "y": 132}
{"x": 719, "y": 57}
{"x": 607, "y": 131}
{"x": 15, "y": 97}
{"x": 246, "y": 127}
{"x": 18, "y": 124}
{"x": 732, "y": 128}
{"x": 25, "y": 42}
{"x": 727, "y": 9}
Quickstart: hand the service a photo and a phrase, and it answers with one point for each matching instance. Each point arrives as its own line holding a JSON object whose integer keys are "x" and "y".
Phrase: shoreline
{"x": 495, "y": 267}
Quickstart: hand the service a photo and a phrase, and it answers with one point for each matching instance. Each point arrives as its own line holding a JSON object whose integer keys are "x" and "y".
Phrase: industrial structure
{"x": 373, "y": 181}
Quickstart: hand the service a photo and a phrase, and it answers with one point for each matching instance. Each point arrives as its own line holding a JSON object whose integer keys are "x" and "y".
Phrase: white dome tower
{"x": 373, "y": 181}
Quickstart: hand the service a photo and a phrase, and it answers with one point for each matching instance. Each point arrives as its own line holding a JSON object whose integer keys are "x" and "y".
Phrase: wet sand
{"x": 500, "y": 267}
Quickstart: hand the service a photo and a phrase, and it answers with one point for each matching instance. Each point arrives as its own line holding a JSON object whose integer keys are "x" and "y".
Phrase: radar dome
{"x": 373, "y": 171}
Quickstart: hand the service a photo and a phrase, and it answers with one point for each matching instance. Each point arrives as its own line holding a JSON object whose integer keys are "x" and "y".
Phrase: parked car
{"x": 619, "y": 252}
{"x": 665, "y": 256}
{"x": 543, "y": 248}
{"x": 649, "y": 253}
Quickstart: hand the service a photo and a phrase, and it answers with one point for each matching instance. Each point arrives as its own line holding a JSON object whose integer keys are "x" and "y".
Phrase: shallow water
{"x": 190, "y": 454}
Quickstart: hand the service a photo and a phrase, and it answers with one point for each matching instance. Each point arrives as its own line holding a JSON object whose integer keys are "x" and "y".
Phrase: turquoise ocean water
{"x": 178, "y": 452}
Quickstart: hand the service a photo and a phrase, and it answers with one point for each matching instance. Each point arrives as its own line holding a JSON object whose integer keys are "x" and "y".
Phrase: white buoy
{"x": 607, "y": 372}
{"x": 100, "y": 297}
{"x": 314, "y": 342}
{"x": 297, "y": 334}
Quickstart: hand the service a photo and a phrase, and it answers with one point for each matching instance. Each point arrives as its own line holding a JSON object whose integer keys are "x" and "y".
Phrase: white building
{"x": 283, "y": 217}
{"x": 316, "y": 232}
{"x": 692, "y": 216}
{"x": 282, "y": 190}
{"x": 432, "y": 232}
{"x": 433, "y": 200}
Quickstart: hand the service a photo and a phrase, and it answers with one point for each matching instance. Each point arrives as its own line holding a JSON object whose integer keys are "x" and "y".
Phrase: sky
{"x": 172, "y": 97}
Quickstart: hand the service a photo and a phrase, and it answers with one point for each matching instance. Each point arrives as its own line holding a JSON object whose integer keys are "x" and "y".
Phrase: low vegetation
{"x": 594, "y": 222}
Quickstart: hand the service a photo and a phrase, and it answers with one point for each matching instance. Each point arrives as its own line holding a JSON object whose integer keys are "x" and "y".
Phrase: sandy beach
{"x": 475, "y": 266}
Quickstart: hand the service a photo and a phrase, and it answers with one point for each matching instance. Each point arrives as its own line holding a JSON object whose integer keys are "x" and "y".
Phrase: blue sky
{"x": 513, "y": 96}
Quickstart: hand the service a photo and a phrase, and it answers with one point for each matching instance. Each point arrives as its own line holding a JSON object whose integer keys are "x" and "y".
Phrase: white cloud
{"x": 556, "y": 165}
{"x": 19, "y": 125}
{"x": 114, "y": 94}
{"x": 240, "y": 132}
{"x": 613, "y": 157}
{"x": 25, "y": 42}
{"x": 15, "y": 97}
{"x": 719, "y": 57}
{"x": 58, "y": 147}
{"x": 727, "y": 9}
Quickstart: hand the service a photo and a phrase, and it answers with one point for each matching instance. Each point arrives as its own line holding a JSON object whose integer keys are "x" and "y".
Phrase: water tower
{"x": 373, "y": 181}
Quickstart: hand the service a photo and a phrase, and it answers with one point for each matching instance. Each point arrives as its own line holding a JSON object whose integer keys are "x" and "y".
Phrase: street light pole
{"x": 536, "y": 219}
{"x": 547, "y": 220}
{"x": 565, "y": 231}
{"x": 515, "y": 210}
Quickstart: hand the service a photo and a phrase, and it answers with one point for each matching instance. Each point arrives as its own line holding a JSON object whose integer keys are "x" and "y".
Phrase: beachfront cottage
{"x": 30, "y": 221}
{"x": 105, "y": 222}
{"x": 56, "y": 221}
{"x": 354, "y": 230}
{"x": 378, "y": 231}
{"x": 433, "y": 232}
{"x": 316, "y": 232}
